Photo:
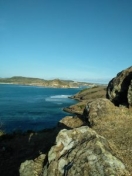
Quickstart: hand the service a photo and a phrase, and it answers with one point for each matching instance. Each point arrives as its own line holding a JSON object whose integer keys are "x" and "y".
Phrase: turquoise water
{"x": 32, "y": 108}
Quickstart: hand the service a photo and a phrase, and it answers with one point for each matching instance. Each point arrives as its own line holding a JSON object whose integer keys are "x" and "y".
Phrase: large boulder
{"x": 97, "y": 109}
{"x": 119, "y": 89}
{"x": 70, "y": 122}
{"x": 81, "y": 151}
{"x": 32, "y": 167}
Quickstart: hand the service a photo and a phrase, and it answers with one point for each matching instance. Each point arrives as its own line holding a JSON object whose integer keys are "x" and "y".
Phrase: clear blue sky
{"x": 66, "y": 39}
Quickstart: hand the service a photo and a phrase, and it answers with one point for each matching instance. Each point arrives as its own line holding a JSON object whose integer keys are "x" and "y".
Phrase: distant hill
{"x": 57, "y": 83}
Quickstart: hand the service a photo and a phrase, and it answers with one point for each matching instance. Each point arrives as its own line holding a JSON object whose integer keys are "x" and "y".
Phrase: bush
{"x": 1, "y": 130}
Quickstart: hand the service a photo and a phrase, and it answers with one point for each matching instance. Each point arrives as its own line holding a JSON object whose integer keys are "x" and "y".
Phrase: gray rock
{"x": 71, "y": 122}
{"x": 96, "y": 109}
{"x": 129, "y": 94}
{"x": 82, "y": 152}
{"x": 32, "y": 167}
{"x": 27, "y": 168}
{"x": 117, "y": 90}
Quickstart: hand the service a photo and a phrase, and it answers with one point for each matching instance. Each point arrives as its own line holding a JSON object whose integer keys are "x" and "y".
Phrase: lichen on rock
{"x": 32, "y": 167}
{"x": 84, "y": 152}
{"x": 96, "y": 109}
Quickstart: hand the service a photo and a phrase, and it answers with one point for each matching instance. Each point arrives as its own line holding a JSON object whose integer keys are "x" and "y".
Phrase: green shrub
{"x": 1, "y": 130}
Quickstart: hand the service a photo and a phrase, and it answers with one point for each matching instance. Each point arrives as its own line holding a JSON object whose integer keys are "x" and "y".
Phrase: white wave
{"x": 60, "y": 96}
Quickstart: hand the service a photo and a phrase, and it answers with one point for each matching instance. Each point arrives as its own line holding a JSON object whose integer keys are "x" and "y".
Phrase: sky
{"x": 83, "y": 40}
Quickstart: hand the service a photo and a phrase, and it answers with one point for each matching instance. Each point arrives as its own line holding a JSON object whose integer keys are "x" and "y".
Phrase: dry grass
{"x": 117, "y": 128}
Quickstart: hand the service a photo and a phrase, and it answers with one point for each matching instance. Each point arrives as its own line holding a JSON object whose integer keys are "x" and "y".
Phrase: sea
{"x": 24, "y": 108}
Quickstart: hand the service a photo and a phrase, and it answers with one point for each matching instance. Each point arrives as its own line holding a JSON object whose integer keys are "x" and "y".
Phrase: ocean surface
{"x": 35, "y": 108}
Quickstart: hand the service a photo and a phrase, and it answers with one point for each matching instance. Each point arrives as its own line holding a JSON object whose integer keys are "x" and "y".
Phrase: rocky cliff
{"x": 119, "y": 90}
{"x": 96, "y": 142}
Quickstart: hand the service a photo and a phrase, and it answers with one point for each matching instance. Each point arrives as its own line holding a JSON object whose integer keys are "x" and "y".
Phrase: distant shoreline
{"x": 39, "y": 85}
{"x": 55, "y": 83}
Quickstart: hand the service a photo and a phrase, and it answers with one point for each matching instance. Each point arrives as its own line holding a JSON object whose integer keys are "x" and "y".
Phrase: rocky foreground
{"x": 95, "y": 141}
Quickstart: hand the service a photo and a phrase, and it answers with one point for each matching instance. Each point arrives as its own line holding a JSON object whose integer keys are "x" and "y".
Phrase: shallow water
{"x": 32, "y": 108}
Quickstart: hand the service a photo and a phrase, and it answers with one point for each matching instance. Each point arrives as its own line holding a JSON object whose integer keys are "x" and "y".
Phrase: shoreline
{"x": 74, "y": 109}
{"x": 40, "y": 85}
{"x": 55, "y": 83}
{"x": 83, "y": 97}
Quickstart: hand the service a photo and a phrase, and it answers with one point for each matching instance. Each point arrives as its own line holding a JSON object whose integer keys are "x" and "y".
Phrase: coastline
{"x": 37, "y": 144}
{"x": 38, "y": 85}
{"x": 55, "y": 83}
{"x": 85, "y": 96}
